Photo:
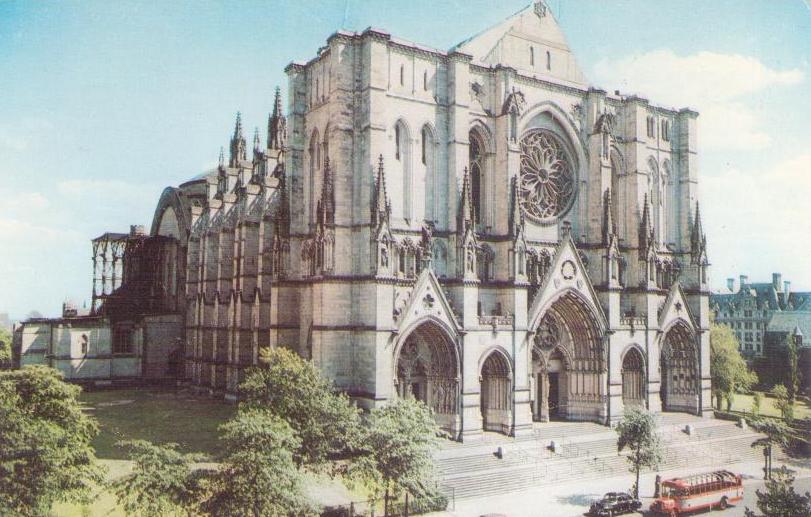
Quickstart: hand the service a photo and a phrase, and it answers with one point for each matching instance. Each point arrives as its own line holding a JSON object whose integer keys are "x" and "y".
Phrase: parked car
{"x": 614, "y": 503}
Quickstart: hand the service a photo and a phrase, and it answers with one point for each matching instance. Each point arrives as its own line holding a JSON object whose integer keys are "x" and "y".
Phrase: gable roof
{"x": 508, "y": 42}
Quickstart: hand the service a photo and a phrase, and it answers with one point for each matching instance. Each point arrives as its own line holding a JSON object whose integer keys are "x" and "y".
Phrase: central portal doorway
{"x": 554, "y": 399}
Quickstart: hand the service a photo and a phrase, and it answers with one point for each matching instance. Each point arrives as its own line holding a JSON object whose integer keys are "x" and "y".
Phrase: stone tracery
{"x": 547, "y": 182}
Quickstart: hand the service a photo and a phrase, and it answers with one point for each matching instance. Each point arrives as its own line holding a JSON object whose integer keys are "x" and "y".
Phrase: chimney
{"x": 776, "y": 277}
{"x": 744, "y": 280}
{"x": 731, "y": 285}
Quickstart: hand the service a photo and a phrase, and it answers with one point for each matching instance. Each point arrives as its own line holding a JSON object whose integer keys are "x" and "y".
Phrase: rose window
{"x": 547, "y": 184}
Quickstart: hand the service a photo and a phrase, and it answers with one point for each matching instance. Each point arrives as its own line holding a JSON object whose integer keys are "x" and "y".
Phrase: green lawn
{"x": 744, "y": 403}
{"x": 157, "y": 415}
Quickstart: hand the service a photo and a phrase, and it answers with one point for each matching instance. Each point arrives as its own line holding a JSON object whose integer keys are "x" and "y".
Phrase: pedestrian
{"x": 657, "y": 490}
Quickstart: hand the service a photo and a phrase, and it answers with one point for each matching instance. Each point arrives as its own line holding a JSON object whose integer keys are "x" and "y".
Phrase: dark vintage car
{"x": 614, "y": 503}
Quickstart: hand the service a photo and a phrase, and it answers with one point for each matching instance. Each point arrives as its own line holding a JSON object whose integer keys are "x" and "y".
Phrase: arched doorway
{"x": 427, "y": 369}
{"x": 569, "y": 372}
{"x": 679, "y": 368}
{"x": 633, "y": 379}
{"x": 496, "y": 393}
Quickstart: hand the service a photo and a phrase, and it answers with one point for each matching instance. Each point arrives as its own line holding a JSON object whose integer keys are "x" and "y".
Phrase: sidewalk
{"x": 574, "y": 498}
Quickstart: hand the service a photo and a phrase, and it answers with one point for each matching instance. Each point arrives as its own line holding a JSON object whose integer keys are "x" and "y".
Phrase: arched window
{"x": 548, "y": 60}
{"x": 403, "y": 155}
{"x": 430, "y": 186}
{"x": 666, "y": 130}
{"x": 513, "y": 125}
{"x": 397, "y": 141}
{"x": 476, "y": 168}
{"x": 315, "y": 165}
{"x": 402, "y": 75}
{"x": 531, "y": 56}
{"x": 656, "y": 197}
{"x": 425, "y": 80}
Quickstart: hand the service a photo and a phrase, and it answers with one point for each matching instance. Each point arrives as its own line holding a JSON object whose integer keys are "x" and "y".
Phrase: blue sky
{"x": 102, "y": 104}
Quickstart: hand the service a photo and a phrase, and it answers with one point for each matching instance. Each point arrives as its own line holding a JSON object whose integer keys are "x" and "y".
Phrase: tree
{"x": 777, "y": 433}
{"x": 729, "y": 371}
{"x": 259, "y": 476}
{"x": 293, "y": 389}
{"x": 637, "y": 432}
{"x": 396, "y": 450}
{"x": 792, "y": 380}
{"x": 45, "y": 450}
{"x": 161, "y": 482}
{"x": 783, "y": 403}
{"x": 757, "y": 399}
{"x": 780, "y": 499}
{"x": 5, "y": 348}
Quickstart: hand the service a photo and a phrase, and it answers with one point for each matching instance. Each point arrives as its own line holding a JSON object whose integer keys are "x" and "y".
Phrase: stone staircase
{"x": 582, "y": 451}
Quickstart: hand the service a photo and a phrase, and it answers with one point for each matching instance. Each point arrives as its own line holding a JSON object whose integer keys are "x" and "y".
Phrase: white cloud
{"x": 22, "y": 202}
{"x": 759, "y": 222}
{"x": 715, "y": 84}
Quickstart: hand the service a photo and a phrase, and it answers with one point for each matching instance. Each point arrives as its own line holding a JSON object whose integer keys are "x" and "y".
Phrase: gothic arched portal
{"x": 427, "y": 369}
{"x": 679, "y": 371}
{"x": 567, "y": 363}
{"x": 496, "y": 393}
{"x": 633, "y": 379}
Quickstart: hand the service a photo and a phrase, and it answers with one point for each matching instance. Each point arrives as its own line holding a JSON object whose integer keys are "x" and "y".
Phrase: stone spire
{"x": 466, "y": 213}
{"x": 238, "y": 145}
{"x": 609, "y": 226}
{"x": 326, "y": 205}
{"x": 516, "y": 216}
{"x": 381, "y": 208}
{"x": 698, "y": 240}
{"x": 221, "y": 163}
{"x": 645, "y": 229}
{"x": 282, "y": 219}
{"x": 257, "y": 143}
{"x": 277, "y": 125}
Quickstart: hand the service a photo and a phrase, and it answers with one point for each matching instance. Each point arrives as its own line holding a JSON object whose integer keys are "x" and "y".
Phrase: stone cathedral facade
{"x": 476, "y": 228}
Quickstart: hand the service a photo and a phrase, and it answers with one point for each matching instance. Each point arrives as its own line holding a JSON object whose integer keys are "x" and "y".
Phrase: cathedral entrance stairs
{"x": 498, "y": 464}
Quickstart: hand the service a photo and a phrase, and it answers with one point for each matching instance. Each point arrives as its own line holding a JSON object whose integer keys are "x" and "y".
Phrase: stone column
{"x": 544, "y": 396}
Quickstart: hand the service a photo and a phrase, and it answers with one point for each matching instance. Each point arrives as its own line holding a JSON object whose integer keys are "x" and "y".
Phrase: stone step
{"x": 485, "y": 476}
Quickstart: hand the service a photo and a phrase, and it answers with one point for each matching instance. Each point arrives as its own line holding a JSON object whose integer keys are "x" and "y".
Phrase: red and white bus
{"x": 698, "y": 492}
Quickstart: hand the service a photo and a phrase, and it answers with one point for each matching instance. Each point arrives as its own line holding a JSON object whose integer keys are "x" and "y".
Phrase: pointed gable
{"x": 509, "y": 42}
{"x": 427, "y": 300}
{"x": 566, "y": 274}
{"x": 675, "y": 307}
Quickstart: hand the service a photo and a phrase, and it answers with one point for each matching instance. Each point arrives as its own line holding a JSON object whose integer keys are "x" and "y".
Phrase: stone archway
{"x": 679, "y": 370}
{"x": 633, "y": 379}
{"x": 427, "y": 368}
{"x": 569, "y": 371}
{"x": 496, "y": 393}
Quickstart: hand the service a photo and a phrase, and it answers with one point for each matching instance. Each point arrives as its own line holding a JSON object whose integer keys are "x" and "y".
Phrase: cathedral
{"x": 477, "y": 228}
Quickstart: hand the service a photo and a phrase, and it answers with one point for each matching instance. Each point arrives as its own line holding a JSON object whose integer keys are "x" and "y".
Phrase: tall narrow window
{"x": 397, "y": 141}
{"x": 424, "y": 139}
{"x": 513, "y": 125}
{"x": 476, "y": 176}
{"x": 548, "y": 60}
{"x": 425, "y": 80}
{"x": 531, "y": 56}
{"x": 402, "y": 75}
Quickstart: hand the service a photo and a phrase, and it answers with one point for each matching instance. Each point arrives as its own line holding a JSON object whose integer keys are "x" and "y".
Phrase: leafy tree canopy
{"x": 729, "y": 371}
{"x": 45, "y": 450}
{"x": 637, "y": 432}
{"x": 5, "y": 348}
{"x": 396, "y": 449}
{"x": 161, "y": 482}
{"x": 292, "y": 389}
{"x": 259, "y": 476}
{"x": 780, "y": 499}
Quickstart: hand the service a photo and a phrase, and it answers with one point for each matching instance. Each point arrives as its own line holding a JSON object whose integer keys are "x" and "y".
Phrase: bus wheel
{"x": 723, "y": 505}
